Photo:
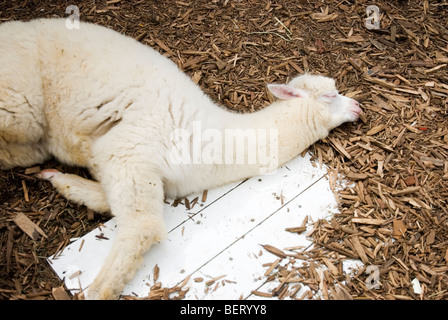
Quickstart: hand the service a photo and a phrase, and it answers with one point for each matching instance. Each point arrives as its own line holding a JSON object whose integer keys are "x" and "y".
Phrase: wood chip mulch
{"x": 393, "y": 210}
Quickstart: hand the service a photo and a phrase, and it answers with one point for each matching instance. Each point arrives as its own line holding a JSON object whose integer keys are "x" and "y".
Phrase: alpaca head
{"x": 332, "y": 107}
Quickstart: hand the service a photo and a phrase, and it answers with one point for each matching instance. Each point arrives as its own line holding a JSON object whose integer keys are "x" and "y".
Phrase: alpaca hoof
{"x": 47, "y": 174}
{"x": 103, "y": 292}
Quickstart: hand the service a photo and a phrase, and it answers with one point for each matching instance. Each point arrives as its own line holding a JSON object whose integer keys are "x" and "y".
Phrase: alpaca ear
{"x": 285, "y": 92}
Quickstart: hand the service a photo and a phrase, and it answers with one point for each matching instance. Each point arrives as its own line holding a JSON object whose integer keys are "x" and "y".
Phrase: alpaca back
{"x": 75, "y": 85}
{"x": 91, "y": 82}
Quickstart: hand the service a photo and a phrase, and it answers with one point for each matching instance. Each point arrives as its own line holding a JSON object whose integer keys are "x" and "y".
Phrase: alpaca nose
{"x": 355, "y": 104}
{"x": 354, "y": 109}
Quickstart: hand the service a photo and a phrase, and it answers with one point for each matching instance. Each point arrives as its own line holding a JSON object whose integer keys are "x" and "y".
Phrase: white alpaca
{"x": 97, "y": 99}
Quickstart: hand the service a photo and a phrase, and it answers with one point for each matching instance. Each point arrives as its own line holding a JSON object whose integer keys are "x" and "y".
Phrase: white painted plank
{"x": 88, "y": 260}
{"x": 196, "y": 239}
{"x": 242, "y": 263}
{"x": 175, "y": 216}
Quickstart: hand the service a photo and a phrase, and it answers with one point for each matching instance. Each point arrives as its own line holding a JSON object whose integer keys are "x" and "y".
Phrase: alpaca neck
{"x": 218, "y": 147}
{"x": 267, "y": 138}
{"x": 296, "y": 127}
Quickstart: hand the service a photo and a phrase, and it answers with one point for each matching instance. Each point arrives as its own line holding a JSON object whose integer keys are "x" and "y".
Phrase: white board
{"x": 220, "y": 237}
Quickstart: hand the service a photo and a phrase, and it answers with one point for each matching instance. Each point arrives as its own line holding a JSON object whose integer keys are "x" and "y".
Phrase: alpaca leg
{"x": 135, "y": 194}
{"x": 21, "y": 129}
{"x": 77, "y": 189}
{"x": 21, "y": 155}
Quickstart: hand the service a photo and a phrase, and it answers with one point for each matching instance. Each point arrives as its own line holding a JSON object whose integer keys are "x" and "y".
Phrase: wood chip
{"x": 25, "y": 191}
{"x": 406, "y": 191}
{"x": 369, "y": 221}
{"x": 59, "y": 293}
{"x": 212, "y": 281}
{"x": 29, "y": 227}
{"x": 431, "y": 237}
{"x": 359, "y": 249}
{"x": 298, "y": 230}
{"x": 357, "y": 176}
{"x": 204, "y": 196}
{"x": 340, "y": 148}
{"x": 376, "y": 129}
{"x": 275, "y": 251}
{"x": 32, "y": 170}
{"x": 272, "y": 267}
{"x": 331, "y": 266}
{"x": 399, "y": 228}
{"x": 261, "y": 294}
{"x": 162, "y": 45}
{"x": 156, "y": 273}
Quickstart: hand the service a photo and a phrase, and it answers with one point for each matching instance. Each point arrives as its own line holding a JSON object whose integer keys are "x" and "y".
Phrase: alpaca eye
{"x": 331, "y": 95}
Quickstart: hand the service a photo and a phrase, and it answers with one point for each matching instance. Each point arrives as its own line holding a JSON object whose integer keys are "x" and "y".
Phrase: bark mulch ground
{"x": 393, "y": 211}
